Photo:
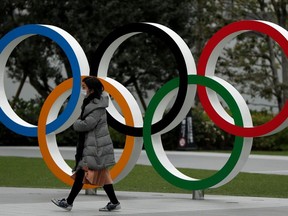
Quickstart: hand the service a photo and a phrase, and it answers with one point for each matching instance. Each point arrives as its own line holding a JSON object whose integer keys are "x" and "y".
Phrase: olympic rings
{"x": 130, "y": 122}
{"x": 182, "y": 54}
{"x": 48, "y": 144}
{"x": 206, "y": 66}
{"x": 76, "y": 57}
{"x": 158, "y": 158}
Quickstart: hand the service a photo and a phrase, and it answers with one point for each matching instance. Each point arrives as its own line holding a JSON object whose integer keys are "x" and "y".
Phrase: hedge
{"x": 207, "y": 136}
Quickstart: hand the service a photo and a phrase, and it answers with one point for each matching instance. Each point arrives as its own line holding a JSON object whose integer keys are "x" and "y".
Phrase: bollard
{"x": 91, "y": 191}
{"x": 198, "y": 195}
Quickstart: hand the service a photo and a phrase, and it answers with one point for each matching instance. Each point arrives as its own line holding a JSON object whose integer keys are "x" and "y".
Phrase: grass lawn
{"x": 33, "y": 172}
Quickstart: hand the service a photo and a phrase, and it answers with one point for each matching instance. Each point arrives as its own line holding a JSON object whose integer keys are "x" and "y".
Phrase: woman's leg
{"x": 110, "y": 193}
{"x": 77, "y": 186}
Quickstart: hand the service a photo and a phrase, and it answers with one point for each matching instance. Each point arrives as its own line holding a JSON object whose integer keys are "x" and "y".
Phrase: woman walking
{"x": 95, "y": 153}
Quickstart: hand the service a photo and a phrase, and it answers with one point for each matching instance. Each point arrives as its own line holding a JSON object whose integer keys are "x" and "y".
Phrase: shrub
{"x": 276, "y": 142}
{"x": 28, "y": 111}
{"x": 206, "y": 135}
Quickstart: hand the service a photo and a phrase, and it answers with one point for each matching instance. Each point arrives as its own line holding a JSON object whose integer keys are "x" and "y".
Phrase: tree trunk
{"x": 41, "y": 89}
{"x": 139, "y": 93}
{"x": 17, "y": 95}
{"x": 277, "y": 91}
{"x": 285, "y": 78}
{"x": 281, "y": 13}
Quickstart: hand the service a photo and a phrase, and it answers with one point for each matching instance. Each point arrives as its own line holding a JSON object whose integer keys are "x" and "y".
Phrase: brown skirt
{"x": 96, "y": 177}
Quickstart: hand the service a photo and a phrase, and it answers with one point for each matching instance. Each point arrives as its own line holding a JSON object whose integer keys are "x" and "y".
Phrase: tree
{"x": 256, "y": 62}
{"x": 143, "y": 62}
{"x": 33, "y": 58}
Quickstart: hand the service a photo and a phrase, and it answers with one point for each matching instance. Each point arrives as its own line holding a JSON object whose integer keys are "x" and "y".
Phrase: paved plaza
{"x": 33, "y": 201}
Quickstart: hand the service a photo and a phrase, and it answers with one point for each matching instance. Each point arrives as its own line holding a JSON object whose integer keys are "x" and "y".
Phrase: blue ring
{"x": 62, "y": 42}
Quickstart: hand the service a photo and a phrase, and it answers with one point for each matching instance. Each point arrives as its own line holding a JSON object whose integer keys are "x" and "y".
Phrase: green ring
{"x": 198, "y": 184}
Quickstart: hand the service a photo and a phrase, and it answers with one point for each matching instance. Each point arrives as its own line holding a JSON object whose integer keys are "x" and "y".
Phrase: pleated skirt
{"x": 96, "y": 177}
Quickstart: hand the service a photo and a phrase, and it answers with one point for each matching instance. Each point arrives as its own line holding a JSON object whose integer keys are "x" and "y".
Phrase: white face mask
{"x": 84, "y": 92}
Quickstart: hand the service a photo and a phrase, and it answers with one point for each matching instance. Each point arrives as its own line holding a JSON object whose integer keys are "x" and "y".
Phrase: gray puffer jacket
{"x": 98, "y": 152}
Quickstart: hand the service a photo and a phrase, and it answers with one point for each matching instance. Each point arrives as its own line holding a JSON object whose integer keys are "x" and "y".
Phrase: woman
{"x": 95, "y": 153}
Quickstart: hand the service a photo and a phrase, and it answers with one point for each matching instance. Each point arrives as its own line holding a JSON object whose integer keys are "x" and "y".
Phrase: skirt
{"x": 96, "y": 177}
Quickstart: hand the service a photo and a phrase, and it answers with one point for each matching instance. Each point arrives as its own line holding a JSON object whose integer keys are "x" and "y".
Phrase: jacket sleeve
{"x": 90, "y": 121}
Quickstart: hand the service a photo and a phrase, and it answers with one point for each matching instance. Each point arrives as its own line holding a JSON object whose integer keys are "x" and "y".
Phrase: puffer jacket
{"x": 98, "y": 152}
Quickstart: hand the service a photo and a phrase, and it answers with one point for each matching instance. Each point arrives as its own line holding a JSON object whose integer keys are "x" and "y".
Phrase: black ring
{"x": 181, "y": 65}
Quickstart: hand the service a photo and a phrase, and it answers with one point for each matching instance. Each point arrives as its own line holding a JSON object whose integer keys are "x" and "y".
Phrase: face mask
{"x": 84, "y": 92}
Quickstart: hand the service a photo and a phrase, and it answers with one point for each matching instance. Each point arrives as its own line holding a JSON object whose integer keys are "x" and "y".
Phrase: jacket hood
{"x": 101, "y": 103}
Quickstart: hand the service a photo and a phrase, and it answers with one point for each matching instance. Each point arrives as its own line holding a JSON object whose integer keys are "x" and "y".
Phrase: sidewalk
{"x": 31, "y": 201}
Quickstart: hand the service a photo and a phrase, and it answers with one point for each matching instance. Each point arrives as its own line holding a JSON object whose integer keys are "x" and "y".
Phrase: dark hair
{"x": 94, "y": 84}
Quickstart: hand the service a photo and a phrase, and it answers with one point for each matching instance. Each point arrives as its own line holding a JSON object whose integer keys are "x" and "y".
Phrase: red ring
{"x": 251, "y": 25}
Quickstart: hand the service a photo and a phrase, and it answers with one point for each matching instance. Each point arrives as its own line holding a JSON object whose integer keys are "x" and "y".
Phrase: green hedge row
{"x": 206, "y": 135}
{"x": 209, "y": 136}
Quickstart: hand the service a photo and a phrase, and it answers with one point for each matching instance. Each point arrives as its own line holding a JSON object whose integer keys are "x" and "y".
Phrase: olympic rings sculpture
{"x": 130, "y": 122}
